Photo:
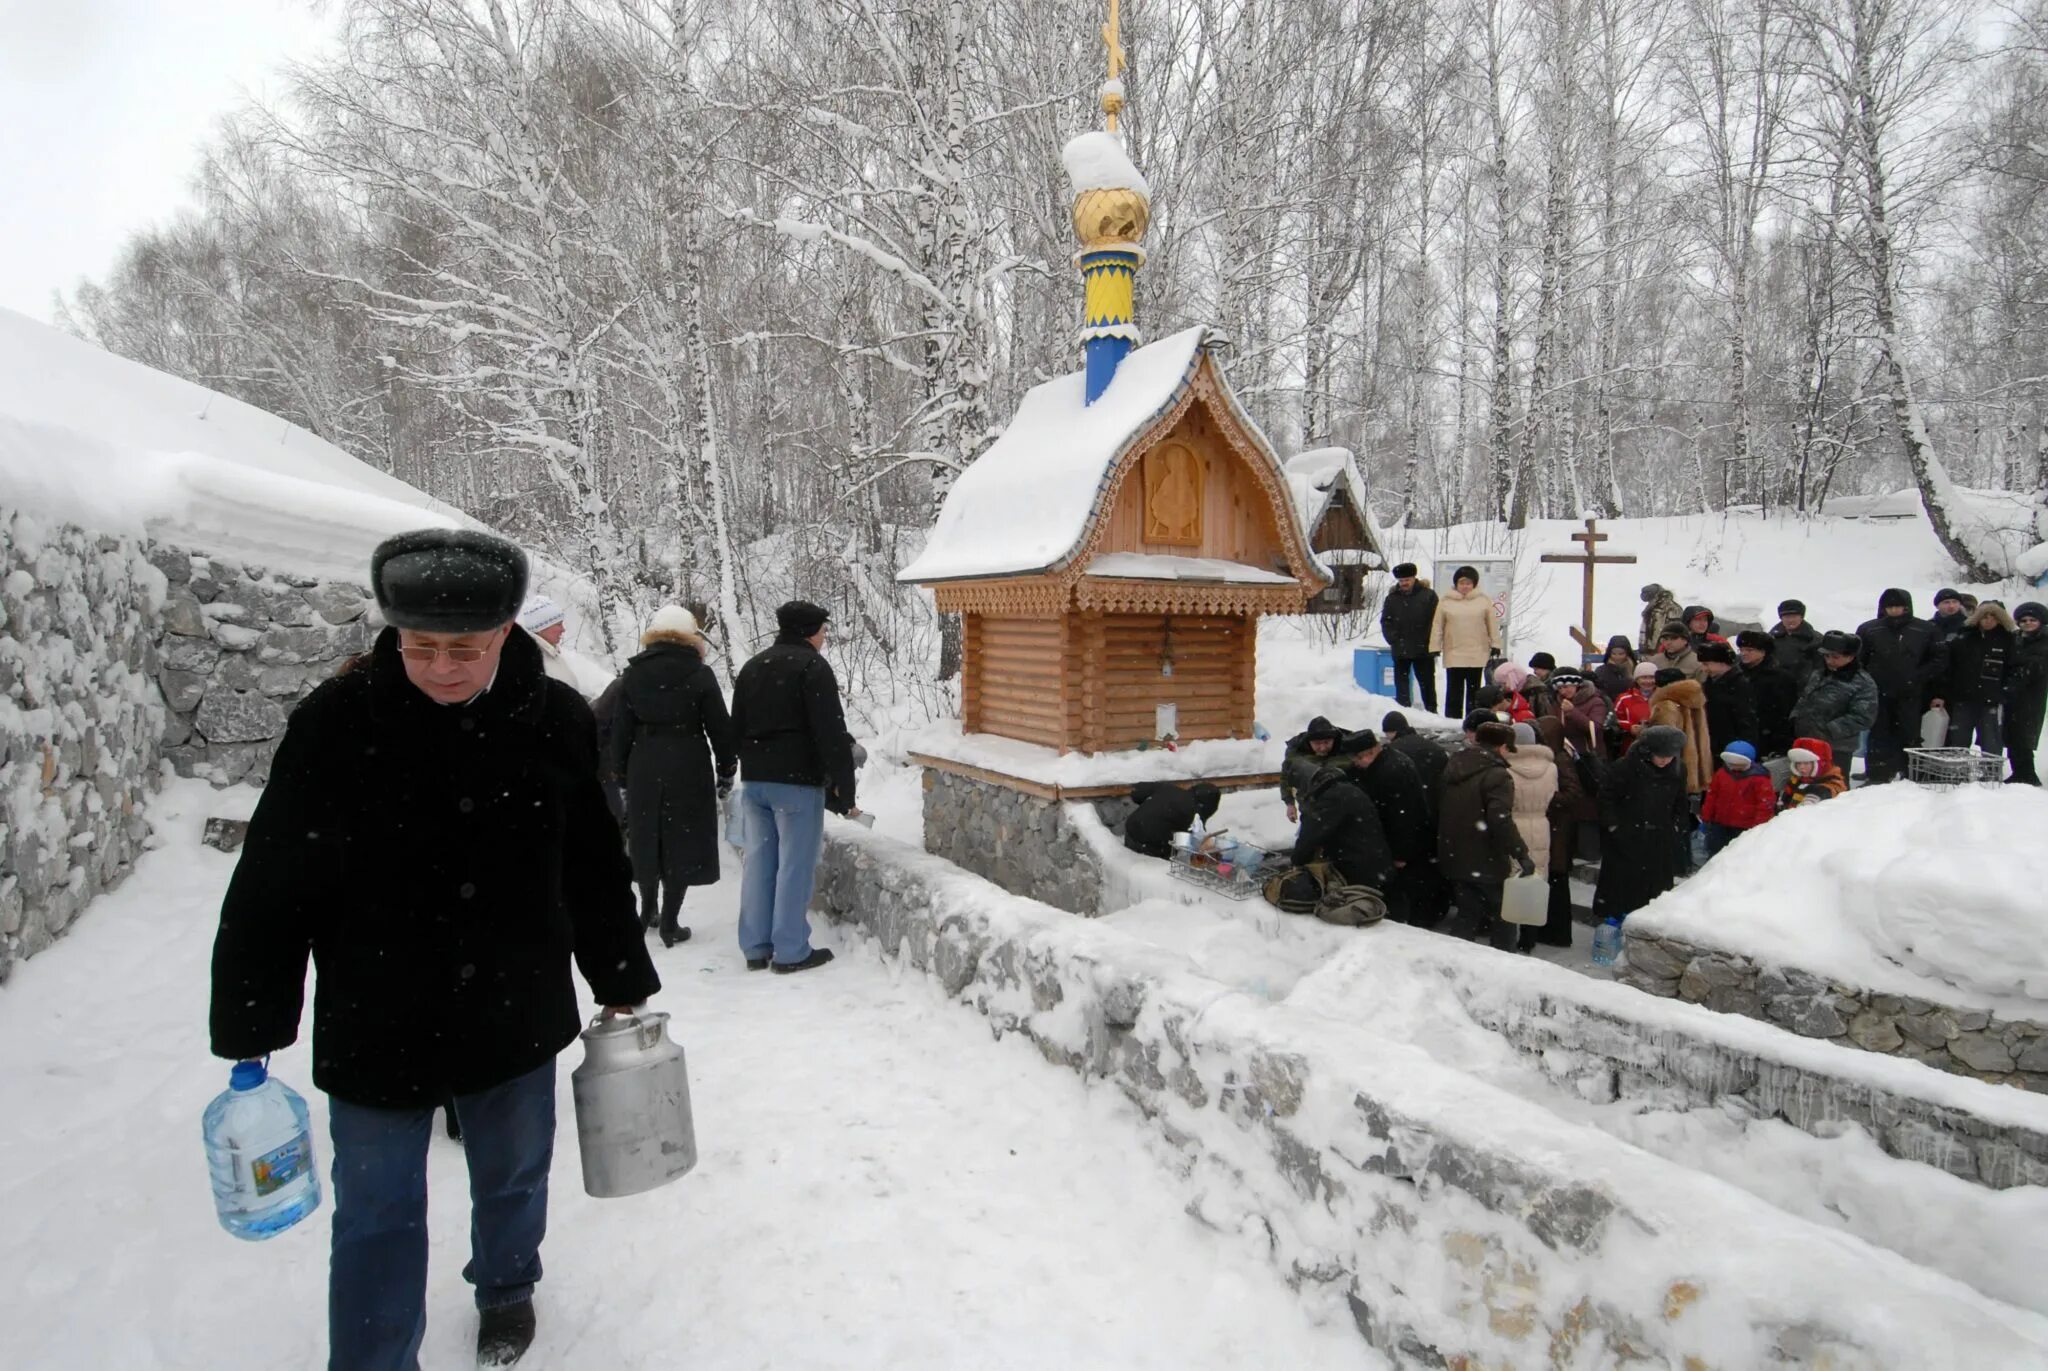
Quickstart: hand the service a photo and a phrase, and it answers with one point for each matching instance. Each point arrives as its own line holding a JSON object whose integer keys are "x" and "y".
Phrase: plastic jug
{"x": 736, "y": 819}
{"x": 1607, "y": 943}
{"x": 259, "y": 1148}
{"x": 1525, "y": 899}
{"x": 633, "y": 1123}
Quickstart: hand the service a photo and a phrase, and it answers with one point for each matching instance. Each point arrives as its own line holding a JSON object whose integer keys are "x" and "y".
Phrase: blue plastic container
{"x": 1607, "y": 943}
{"x": 259, "y": 1147}
{"x": 1373, "y": 669}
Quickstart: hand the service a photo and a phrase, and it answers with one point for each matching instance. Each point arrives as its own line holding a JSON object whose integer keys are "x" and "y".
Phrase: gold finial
{"x": 1112, "y": 90}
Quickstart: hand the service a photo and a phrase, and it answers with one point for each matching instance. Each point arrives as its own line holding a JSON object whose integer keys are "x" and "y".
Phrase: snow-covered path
{"x": 880, "y": 1184}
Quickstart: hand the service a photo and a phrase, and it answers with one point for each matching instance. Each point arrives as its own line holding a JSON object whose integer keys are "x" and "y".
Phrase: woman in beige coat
{"x": 1465, "y": 632}
{"x": 1534, "y": 768}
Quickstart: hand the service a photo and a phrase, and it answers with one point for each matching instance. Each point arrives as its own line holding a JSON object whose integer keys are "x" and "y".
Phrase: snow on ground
{"x": 1900, "y": 888}
{"x": 881, "y": 1184}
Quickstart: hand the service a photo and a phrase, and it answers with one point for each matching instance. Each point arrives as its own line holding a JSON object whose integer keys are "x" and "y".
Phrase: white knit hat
{"x": 1800, "y": 754}
{"x": 541, "y": 614}
{"x": 672, "y": 619}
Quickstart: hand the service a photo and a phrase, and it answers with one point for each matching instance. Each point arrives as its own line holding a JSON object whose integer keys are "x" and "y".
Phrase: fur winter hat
{"x": 540, "y": 615}
{"x": 1403, "y": 569}
{"x": 448, "y": 580}
{"x": 1840, "y": 644}
{"x": 1365, "y": 740}
{"x": 1494, "y": 733}
{"x": 1465, "y": 573}
{"x": 1543, "y": 661}
{"x": 1903, "y": 599}
{"x": 1320, "y": 728}
{"x": 1791, "y": 607}
{"x": 1668, "y": 675}
{"x": 673, "y": 624}
{"x": 1715, "y": 652}
{"x": 1662, "y": 740}
{"x": 1478, "y": 719}
{"x": 1739, "y": 757}
{"x": 1394, "y": 723}
{"x": 801, "y": 618}
{"x": 2031, "y": 609}
{"x": 1756, "y": 640}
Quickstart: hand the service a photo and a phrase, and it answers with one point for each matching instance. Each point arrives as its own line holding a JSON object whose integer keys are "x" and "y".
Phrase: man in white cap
{"x": 543, "y": 618}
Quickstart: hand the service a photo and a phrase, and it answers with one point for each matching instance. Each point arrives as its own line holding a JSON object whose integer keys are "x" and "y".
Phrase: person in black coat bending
{"x": 1165, "y": 809}
{"x": 669, "y": 707}
{"x": 1405, "y": 618}
{"x": 433, "y": 837}
{"x": 1906, "y": 659}
{"x": 1340, "y": 825}
{"x": 796, "y": 762}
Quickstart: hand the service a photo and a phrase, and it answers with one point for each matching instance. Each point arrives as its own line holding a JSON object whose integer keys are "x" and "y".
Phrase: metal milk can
{"x": 632, "y": 1093}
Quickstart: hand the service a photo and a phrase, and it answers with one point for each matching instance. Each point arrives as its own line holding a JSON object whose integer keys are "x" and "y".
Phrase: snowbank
{"x": 1044, "y": 766}
{"x": 1935, "y": 894}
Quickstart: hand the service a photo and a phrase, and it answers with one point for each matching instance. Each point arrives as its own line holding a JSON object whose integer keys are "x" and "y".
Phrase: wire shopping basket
{"x": 1953, "y": 766}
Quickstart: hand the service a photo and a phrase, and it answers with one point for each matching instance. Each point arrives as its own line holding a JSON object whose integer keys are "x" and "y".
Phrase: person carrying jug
{"x": 433, "y": 837}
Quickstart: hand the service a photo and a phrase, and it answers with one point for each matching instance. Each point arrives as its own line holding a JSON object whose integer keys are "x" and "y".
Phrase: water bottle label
{"x": 276, "y": 1169}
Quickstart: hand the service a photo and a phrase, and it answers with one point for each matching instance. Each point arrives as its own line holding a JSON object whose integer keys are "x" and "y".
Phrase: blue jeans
{"x": 377, "y": 1273}
{"x": 1718, "y": 836}
{"x": 785, "y": 833}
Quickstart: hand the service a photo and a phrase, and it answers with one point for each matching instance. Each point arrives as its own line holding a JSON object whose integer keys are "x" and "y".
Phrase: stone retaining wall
{"x": 1021, "y": 842}
{"x": 1456, "y": 1225}
{"x": 241, "y": 645}
{"x": 1968, "y": 1042}
{"x": 80, "y": 720}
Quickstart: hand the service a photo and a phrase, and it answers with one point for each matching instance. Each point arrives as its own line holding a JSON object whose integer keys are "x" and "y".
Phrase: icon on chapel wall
{"x": 1173, "y": 496}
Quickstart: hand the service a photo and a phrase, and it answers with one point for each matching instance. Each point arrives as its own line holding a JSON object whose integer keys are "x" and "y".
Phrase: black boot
{"x": 673, "y": 932}
{"x": 819, "y": 956}
{"x": 504, "y": 1333}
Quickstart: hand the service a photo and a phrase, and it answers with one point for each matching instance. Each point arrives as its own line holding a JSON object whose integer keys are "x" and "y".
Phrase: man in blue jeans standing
{"x": 434, "y": 839}
{"x": 796, "y": 762}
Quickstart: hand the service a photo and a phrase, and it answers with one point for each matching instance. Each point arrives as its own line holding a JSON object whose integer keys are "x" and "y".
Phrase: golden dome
{"x": 1106, "y": 217}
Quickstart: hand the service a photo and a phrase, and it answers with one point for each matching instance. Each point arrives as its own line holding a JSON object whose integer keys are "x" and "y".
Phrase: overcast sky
{"x": 103, "y": 107}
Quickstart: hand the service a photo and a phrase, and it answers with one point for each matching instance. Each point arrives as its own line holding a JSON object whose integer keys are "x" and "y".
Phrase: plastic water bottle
{"x": 1607, "y": 942}
{"x": 259, "y": 1146}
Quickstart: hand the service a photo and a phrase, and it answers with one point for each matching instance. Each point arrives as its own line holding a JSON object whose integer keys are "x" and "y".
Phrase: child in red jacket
{"x": 1632, "y": 711}
{"x": 1739, "y": 798}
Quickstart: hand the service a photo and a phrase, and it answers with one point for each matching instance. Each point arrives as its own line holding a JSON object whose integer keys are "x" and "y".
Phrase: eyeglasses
{"x": 426, "y": 655}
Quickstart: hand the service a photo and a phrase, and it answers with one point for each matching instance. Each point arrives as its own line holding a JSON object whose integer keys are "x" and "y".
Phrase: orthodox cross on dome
{"x": 1586, "y": 561}
{"x": 1113, "y": 88}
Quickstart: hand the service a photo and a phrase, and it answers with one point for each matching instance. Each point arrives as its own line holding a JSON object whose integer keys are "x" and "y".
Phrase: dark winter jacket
{"x": 1616, "y": 681}
{"x": 1339, "y": 825}
{"x": 1798, "y": 651}
{"x": 1980, "y": 658}
{"x": 1902, "y": 656}
{"x": 2026, "y": 685}
{"x": 1947, "y": 627}
{"x": 1731, "y": 712}
{"x": 791, "y": 728}
{"x": 1776, "y": 693}
{"x": 602, "y": 709}
{"x": 441, "y": 864}
{"x": 1585, "y": 720}
{"x": 669, "y": 723}
{"x": 1402, "y": 801}
{"x": 1476, "y": 836}
{"x": 1301, "y": 755}
{"x": 1837, "y": 706}
{"x": 1165, "y": 809}
{"x": 1405, "y": 618}
{"x": 1429, "y": 757}
{"x": 1643, "y": 811}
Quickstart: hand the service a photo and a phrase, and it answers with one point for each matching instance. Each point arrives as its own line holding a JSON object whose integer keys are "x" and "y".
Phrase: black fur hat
{"x": 448, "y": 580}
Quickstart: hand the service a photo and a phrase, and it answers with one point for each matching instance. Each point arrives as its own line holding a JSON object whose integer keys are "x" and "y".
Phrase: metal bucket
{"x": 633, "y": 1124}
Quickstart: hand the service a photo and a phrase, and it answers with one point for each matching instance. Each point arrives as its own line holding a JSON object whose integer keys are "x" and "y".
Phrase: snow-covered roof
{"x": 117, "y": 447}
{"x": 1314, "y": 477}
{"x": 1024, "y": 505}
{"x": 1096, "y": 161}
{"x": 1155, "y": 566}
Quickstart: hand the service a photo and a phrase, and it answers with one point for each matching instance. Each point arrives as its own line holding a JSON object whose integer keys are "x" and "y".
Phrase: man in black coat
{"x": 1950, "y": 618}
{"x": 433, "y": 837}
{"x": 1795, "y": 642}
{"x": 1165, "y": 809}
{"x": 1339, "y": 825}
{"x": 1405, "y": 618}
{"x": 1775, "y": 690}
{"x": 1478, "y": 844}
{"x": 1426, "y": 753}
{"x": 669, "y": 723}
{"x": 1644, "y": 819}
{"x": 796, "y": 760}
{"x": 1315, "y": 745}
{"x": 2026, "y": 693}
{"x": 1731, "y": 704}
{"x": 1407, "y": 817}
{"x": 1905, "y": 659}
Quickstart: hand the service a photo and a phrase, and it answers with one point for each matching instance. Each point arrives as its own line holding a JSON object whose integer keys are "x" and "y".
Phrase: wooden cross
{"x": 1587, "y": 559}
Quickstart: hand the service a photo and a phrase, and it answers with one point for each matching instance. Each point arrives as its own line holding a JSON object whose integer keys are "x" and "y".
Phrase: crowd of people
{"x": 1663, "y": 752}
{"x": 437, "y": 837}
